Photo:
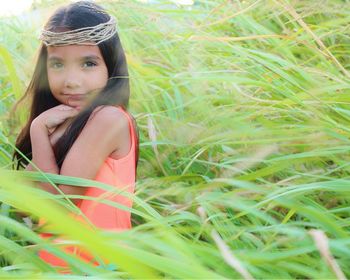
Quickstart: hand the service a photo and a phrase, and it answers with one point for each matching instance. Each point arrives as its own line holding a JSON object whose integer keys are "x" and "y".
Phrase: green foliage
{"x": 243, "y": 114}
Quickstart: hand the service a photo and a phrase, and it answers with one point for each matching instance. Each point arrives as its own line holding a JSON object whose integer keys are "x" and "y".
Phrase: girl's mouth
{"x": 76, "y": 102}
{"x": 76, "y": 97}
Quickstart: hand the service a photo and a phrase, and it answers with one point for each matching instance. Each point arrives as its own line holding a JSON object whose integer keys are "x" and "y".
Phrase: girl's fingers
{"x": 65, "y": 107}
{"x": 74, "y": 113}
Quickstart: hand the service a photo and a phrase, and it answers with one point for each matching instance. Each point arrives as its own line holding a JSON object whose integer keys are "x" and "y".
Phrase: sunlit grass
{"x": 244, "y": 154}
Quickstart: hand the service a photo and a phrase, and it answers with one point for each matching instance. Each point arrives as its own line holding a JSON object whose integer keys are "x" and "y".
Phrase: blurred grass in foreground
{"x": 243, "y": 109}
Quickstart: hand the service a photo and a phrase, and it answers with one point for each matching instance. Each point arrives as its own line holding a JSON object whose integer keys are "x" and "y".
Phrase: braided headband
{"x": 92, "y": 35}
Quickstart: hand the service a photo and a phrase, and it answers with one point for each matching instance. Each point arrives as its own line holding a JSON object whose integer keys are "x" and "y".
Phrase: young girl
{"x": 78, "y": 124}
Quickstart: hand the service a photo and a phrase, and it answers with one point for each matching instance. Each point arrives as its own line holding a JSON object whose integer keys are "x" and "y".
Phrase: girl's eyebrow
{"x": 54, "y": 57}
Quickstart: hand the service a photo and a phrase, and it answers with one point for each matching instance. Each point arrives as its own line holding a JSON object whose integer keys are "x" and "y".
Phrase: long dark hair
{"x": 116, "y": 92}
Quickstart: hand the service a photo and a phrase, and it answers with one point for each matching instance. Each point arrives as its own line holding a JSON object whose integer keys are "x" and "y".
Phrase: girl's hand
{"x": 55, "y": 116}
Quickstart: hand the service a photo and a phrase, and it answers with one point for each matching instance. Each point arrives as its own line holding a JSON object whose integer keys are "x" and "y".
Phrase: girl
{"x": 78, "y": 124}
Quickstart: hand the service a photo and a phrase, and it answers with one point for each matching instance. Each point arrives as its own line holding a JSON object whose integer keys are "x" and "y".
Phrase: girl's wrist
{"x": 37, "y": 127}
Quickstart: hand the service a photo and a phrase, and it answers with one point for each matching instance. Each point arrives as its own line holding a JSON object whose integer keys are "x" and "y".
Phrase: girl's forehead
{"x": 74, "y": 50}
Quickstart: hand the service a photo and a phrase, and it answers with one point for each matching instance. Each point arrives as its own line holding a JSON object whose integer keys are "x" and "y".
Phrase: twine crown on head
{"x": 91, "y": 35}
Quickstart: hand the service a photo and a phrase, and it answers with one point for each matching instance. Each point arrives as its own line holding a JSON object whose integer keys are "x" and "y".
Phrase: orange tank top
{"x": 120, "y": 173}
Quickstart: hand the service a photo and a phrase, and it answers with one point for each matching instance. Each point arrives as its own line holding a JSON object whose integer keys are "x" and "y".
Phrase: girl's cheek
{"x": 54, "y": 81}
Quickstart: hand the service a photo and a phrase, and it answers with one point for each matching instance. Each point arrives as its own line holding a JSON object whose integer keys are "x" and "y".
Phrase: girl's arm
{"x": 42, "y": 153}
{"x": 44, "y": 159}
{"x": 95, "y": 143}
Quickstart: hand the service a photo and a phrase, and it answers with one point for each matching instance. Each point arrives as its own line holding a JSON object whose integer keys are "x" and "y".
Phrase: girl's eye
{"x": 89, "y": 64}
{"x": 56, "y": 65}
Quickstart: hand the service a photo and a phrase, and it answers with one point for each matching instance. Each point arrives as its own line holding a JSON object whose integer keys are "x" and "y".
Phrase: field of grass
{"x": 243, "y": 111}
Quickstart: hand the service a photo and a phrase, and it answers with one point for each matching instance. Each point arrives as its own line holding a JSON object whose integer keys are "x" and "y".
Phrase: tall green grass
{"x": 243, "y": 110}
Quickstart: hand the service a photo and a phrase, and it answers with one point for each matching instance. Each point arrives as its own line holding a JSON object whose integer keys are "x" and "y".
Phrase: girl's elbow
{"x": 73, "y": 190}
{"x": 29, "y": 167}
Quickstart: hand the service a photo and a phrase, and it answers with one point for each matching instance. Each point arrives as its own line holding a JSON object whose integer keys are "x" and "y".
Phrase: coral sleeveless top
{"x": 120, "y": 173}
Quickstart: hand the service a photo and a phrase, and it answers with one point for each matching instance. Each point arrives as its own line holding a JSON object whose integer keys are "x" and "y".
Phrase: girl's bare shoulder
{"x": 108, "y": 121}
{"x": 108, "y": 111}
{"x": 108, "y": 116}
{"x": 116, "y": 127}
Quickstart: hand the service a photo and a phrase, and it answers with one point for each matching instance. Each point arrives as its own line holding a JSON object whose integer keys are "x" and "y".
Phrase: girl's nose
{"x": 72, "y": 80}
{"x": 71, "y": 83}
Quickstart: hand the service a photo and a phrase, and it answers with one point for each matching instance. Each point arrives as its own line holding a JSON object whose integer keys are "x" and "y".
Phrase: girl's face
{"x": 73, "y": 71}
